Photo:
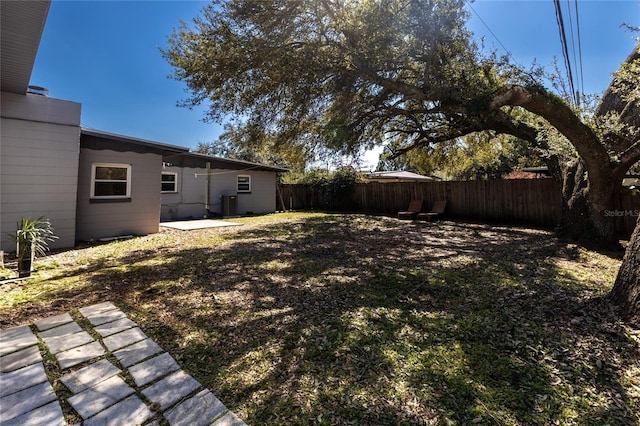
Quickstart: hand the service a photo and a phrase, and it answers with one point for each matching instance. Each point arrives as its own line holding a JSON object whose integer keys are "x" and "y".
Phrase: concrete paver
{"x": 90, "y": 375}
{"x": 199, "y": 410}
{"x": 130, "y": 411}
{"x": 100, "y": 395}
{"x": 19, "y": 403}
{"x": 21, "y": 379}
{"x": 79, "y": 355}
{"x": 97, "y": 309}
{"x": 16, "y": 338}
{"x": 13, "y": 332}
{"x": 171, "y": 389}
{"x": 105, "y": 317}
{"x": 114, "y": 327}
{"x": 47, "y": 415}
{"x": 63, "y": 330}
{"x": 124, "y": 338}
{"x": 51, "y": 322}
{"x": 153, "y": 368}
{"x": 65, "y": 342}
{"x": 20, "y": 359}
{"x": 135, "y": 353}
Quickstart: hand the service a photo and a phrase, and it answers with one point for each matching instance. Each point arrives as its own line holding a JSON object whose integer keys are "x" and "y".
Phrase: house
{"x": 92, "y": 184}
{"x": 119, "y": 184}
{"x": 529, "y": 173}
{"x": 39, "y": 136}
{"x": 197, "y": 185}
{"x": 397, "y": 176}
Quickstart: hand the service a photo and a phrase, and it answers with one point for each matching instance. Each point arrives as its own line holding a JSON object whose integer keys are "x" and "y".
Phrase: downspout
{"x": 207, "y": 197}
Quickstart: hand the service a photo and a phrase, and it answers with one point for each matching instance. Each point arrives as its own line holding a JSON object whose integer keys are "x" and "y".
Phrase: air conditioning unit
{"x": 229, "y": 205}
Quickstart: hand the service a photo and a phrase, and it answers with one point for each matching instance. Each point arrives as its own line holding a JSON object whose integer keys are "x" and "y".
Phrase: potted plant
{"x": 32, "y": 238}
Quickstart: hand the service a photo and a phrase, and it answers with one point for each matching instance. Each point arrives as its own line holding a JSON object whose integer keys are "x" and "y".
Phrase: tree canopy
{"x": 481, "y": 155}
{"x": 346, "y": 75}
{"x": 303, "y": 76}
{"x": 337, "y": 74}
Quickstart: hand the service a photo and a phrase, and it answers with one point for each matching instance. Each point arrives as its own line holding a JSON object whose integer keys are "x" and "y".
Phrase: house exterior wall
{"x": 39, "y": 147}
{"x": 190, "y": 200}
{"x": 139, "y": 215}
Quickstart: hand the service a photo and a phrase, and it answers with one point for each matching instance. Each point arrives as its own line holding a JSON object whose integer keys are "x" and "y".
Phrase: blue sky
{"x": 105, "y": 55}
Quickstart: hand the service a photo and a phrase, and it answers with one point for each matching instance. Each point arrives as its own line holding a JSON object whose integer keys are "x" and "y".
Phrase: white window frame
{"x": 175, "y": 183}
{"x": 94, "y": 166}
{"x": 238, "y": 183}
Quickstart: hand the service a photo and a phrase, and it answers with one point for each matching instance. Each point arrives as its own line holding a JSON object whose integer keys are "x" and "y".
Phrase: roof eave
{"x": 136, "y": 141}
{"x": 249, "y": 164}
{"x": 21, "y": 27}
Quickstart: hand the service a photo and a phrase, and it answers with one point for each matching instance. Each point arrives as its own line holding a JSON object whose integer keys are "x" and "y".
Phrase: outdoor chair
{"x": 415, "y": 207}
{"x": 436, "y": 210}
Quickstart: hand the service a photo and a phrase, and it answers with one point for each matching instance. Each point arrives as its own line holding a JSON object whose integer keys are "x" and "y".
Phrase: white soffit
{"x": 21, "y": 27}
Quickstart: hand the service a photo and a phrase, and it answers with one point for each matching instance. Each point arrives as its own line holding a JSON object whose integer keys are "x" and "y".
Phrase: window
{"x": 244, "y": 183}
{"x": 110, "y": 181}
{"x": 169, "y": 182}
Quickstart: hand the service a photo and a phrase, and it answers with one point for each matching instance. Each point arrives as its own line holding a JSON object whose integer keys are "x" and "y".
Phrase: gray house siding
{"x": 190, "y": 200}
{"x": 139, "y": 215}
{"x": 39, "y": 146}
{"x": 263, "y": 194}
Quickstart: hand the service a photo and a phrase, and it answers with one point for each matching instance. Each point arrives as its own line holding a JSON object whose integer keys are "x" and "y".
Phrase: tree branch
{"x": 363, "y": 71}
{"x": 627, "y": 159}
{"x": 560, "y": 115}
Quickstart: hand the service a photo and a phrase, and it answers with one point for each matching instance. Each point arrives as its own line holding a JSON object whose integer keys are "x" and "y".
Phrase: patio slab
{"x": 75, "y": 356}
{"x": 20, "y": 359}
{"x": 171, "y": 389}
{"x": 82, "y": 379}
{"x": 152, "y": 369}
{"x": 47, "y": 415}
{"x": 16, "y": 338}
{"x": 21, "y": 379}
{"x": 189, "y": 225}
{"x": 51, "y": 322}
{"x": 200, "y": 410}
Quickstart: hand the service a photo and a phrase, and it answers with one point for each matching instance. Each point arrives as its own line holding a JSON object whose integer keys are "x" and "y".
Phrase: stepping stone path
{"x": 99, "y": 390}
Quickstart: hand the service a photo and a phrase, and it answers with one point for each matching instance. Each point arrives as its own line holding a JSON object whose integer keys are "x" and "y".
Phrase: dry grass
{"x": 350, "y": 319}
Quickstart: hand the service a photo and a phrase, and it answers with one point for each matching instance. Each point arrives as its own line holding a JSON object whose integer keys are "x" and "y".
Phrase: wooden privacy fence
{"x": 531, "y": 201}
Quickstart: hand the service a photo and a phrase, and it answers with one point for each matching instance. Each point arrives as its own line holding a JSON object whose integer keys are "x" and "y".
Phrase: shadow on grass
{"x": 366, "y": 320}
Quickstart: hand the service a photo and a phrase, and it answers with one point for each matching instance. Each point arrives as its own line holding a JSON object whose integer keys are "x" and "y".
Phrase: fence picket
{"x": 528, "y": 201}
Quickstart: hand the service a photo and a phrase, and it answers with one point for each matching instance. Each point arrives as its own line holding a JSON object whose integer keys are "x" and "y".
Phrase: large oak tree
{"x": 348, "y": 75}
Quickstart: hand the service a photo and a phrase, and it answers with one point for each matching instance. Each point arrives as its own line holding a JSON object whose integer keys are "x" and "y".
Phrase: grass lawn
{"x": 350, "y": 319}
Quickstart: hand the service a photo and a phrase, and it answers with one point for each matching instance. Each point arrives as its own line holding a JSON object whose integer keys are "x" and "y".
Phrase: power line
{"x": 573, "y": 51}
{"x": 579, "y": 49}
{"x": 489, "y": 29}
{"x": 565, "y": 51}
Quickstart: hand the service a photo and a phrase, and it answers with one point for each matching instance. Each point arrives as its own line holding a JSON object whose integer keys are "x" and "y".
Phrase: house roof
{"x": 96, "y": 139}
{"x": 398, "y": 175}
{"x": 174, "y": 154}
{"x": 21, "y": 27}
{"x": 194, "y": 159}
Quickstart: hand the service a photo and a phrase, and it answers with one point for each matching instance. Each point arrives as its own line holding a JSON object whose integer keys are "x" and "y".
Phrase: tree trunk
{"x": 626, "y": 290}
{"x": 584, "y": 207}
